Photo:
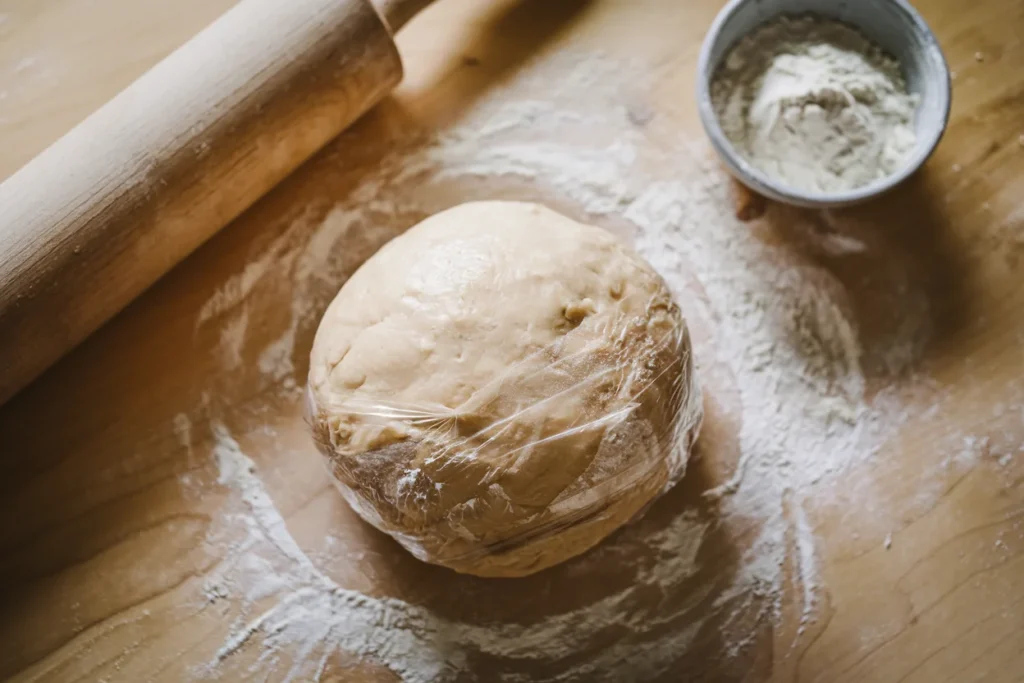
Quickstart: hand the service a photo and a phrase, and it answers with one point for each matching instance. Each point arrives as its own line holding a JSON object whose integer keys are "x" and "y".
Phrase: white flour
{"x": 779, "y": 326}
{"x": 814, "y": 104}
{"x": 313, "y": 616}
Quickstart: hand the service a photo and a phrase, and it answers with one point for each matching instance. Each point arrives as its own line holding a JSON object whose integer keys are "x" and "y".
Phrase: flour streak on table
{"x": 864, "y": 516}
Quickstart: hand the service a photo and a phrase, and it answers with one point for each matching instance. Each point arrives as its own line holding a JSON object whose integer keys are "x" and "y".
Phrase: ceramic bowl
{"x": 892, "y": 24}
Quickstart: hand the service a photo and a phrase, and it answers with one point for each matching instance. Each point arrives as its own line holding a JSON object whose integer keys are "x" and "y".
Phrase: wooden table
{"x": 137, "y": 543}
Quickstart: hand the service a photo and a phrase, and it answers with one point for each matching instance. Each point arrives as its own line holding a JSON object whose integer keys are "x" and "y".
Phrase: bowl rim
{"x": 761, "y": 182}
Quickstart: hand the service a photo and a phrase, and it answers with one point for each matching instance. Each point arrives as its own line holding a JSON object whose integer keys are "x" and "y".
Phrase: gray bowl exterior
{"x": 892, "y": 24}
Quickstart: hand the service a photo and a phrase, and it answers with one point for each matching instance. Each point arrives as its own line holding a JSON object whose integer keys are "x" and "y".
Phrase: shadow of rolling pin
{"x": 101, "y": 214}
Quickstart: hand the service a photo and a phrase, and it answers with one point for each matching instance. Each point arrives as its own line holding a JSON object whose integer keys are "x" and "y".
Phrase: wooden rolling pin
{"x": 106, "y": 210}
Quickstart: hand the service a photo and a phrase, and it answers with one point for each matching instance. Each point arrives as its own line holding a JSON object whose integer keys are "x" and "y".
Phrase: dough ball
{"x": 501, "y": 387}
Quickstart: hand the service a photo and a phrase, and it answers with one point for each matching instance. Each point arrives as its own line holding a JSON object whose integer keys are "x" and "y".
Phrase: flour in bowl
{"x": 815, "y": 105}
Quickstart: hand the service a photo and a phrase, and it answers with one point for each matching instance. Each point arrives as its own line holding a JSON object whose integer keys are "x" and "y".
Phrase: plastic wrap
{"x": 546, "y": 449}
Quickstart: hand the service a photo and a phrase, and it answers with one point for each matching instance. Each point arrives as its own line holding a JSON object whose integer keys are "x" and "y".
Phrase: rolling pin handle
{"x": 397, "y": 13}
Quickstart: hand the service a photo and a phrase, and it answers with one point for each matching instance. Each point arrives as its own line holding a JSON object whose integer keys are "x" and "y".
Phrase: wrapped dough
{"x": 501, "y": 387}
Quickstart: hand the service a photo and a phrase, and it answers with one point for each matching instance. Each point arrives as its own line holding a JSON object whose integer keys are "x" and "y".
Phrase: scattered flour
{"x": 314, "y": 617}
{"x": 313, "y": 614}
{"x": 24, "y": 64}
{"x": 182, "y": 425}
{"x": 779, "y": 326}
{"x": 238, "y": 287}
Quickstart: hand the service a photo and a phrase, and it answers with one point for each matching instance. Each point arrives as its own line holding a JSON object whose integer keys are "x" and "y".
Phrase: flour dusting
{"x": 781, "y": 327}
{"x": 312, "y": 615}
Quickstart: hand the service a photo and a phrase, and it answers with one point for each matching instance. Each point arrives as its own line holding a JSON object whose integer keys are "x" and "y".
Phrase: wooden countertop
{"x": 145, "y": 477}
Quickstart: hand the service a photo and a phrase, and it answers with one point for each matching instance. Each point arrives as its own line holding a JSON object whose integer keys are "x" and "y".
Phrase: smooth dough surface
{"x": 501, "y": 387}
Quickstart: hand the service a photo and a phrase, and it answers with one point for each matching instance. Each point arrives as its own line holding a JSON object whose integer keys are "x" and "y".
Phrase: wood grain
{"x": 108, "y": 505}
{"x": 114, "y": 204}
